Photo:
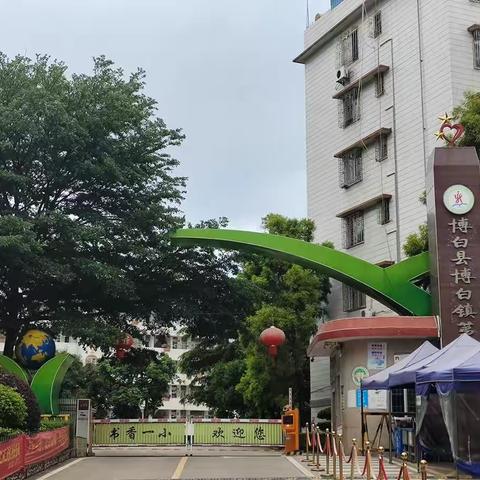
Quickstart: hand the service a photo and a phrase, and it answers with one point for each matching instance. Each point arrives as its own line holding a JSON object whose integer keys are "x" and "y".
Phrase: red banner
{"x": 11, "y": 456}
{"x": 45, "y": 445}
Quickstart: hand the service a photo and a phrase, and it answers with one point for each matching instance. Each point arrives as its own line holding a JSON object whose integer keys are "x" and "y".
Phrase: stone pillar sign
{"x": 453, "y": 203}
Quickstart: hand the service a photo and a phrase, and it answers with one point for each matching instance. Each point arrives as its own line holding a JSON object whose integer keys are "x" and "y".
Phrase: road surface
{"x": 136, "y": 463}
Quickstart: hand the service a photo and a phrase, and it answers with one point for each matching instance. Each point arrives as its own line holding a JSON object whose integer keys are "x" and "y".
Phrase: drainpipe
{"x": 420, "y": 57}
{"x": 395, "y": 156}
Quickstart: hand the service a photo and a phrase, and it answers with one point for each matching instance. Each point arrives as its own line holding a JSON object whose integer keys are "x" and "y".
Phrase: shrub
{"x": 33, "y": 410}
{"x": 13, "y": 411}
{"x": 47, "y": 424}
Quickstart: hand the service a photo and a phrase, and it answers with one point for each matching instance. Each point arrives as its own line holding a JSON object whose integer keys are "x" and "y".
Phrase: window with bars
{"x": 353, "y": 229}
{"x": 476, "y": 48}
{"x": 377, "y": 24}
{"x": 351, "y": 107}
{"x": 350, "y": 168}
{"x": 352, "y": 299}
{"x": 379, "y": 84}
{"x": 384, "y": 211}
{"x": 349, "y": 48}
{"x": 381, "y": 148}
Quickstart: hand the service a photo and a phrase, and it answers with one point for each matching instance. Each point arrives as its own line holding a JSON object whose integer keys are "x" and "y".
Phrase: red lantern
{"x": 272, "y": 338}
{"x": 123, "y": 346}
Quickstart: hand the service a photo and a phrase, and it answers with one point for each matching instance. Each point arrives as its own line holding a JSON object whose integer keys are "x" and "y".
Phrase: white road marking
{"x": 178, "y": 471}
{"x": 300, "y": 467}
{"x": 64, "y": 467}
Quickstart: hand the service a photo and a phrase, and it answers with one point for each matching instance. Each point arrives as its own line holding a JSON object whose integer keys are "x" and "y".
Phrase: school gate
{"x": 206, "y": 432}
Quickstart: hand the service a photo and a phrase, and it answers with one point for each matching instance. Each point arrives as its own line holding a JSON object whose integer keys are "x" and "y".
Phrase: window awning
{"x": 363, "y": 79}
{"x": 364, "y": 205}
{"x": 370, "y": 138}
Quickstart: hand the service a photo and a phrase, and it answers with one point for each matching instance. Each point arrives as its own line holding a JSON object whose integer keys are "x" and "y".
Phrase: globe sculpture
{"x": 34, "y": 349}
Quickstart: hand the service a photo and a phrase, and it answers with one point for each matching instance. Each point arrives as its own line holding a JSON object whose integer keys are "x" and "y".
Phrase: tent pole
{"x": 390, "y": 430}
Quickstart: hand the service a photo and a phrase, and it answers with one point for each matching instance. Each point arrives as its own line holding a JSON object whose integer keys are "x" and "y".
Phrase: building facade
{"x": 378, "y": 73}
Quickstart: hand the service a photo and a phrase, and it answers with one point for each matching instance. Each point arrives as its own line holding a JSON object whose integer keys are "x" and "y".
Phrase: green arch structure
{"x": 392, "y": 286}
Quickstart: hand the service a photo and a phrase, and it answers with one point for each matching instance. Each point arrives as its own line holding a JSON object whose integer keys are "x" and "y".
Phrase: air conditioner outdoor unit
{"x": 342, "y": 75}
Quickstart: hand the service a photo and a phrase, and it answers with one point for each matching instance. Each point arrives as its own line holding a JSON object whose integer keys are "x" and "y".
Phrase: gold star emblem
{"x": 445, "y": 118}
{"x": 440, "y": 135}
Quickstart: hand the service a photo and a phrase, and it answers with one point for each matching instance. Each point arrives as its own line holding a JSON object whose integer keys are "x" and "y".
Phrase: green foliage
{"x": 88, "y": 200}
{"x": 121, "y": 385}
{"x": 7, "y": 433}
{"x": 234, "y": 373}
{"x": 33, "y": 410}
{"x": 47, "y": 424}
{"x": 416, "y": 243}
{"x": 13, "y": 411}
{"x": 468, "y": 114}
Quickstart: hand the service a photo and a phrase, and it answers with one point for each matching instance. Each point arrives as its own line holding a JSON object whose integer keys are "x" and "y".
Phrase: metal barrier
{"x": 334, "y": 456}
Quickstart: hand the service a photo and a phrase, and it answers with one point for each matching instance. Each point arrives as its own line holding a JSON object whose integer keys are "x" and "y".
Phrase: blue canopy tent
{"x": 408, "y": 374}
{"x": 380, "y": 381}
{"x": 454, "y": 378}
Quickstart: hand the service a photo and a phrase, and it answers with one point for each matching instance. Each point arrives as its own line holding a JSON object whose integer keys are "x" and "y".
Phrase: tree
{"x": 417, "y": 242}
{"x": 468, "y": 114}
{"x": 121, "y": 385}
{"x": 88, "y": 200}
{"x": 289, "y": 296}
{"x": 294, "y": 299}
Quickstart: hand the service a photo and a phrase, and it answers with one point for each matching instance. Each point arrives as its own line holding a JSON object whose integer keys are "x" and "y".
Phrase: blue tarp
{"x": 441, "y": 359}
{"x": 380, "y": 381}
{"x": 459, "y": 364}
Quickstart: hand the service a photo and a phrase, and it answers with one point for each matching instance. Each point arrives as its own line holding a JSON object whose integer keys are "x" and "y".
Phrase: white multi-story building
{"x": 378, "y": 73}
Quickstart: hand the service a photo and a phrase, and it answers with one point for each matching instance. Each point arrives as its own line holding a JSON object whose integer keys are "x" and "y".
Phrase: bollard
{"x": 327, "y": 451}
{"x": 316, "y": 466}
{"x": 307, "y": 444}
{"x": 334, "y": 455}
{"x": 381, "y": 466}
{"x": 353, "y": 458}
{"x": 404, "y": 473}
{"x": 312, "y": 462}
{"x": 423, "y": 469}
{"x": 368, "y": 458}
{"x": 340, "y": 457}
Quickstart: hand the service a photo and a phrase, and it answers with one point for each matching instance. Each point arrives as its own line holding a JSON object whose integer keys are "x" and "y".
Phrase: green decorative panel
{"x": 238, "y": 434}
{"x": 132, "y": 433}
{"x": 173, "y": 433}
{"x": 11, "y": 366}
{"x": 391, "y": 286}
{"x": 47, "y": 382}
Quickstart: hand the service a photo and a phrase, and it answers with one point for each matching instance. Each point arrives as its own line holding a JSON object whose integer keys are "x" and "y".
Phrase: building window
{"x": 174, "y": 391}
{"x": 384, "y": 211}
{"x": 351, "y": 107}
{"x": 379, "y": 84}
{"x": 353, "y": 299}
{"x": 174, "y": 342}
{"x": 377, "y": 24}
{"x": 381, "y": 148}
{"x": 160, "y": 341}
{"x": 183, "y": 393}
{"x": 353, "y": 229}
{"x": 350, "y": 47}
{"x": 475, "y": 31}
{"x": 350, "y": 168}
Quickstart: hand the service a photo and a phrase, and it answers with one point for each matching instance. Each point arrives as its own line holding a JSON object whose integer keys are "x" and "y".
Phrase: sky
{"x": 220, "y": 69}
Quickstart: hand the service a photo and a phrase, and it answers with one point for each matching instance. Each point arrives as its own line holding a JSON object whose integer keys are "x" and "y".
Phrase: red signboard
{"x": 11, "y": 456}
{"x": 45, "y": 445}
